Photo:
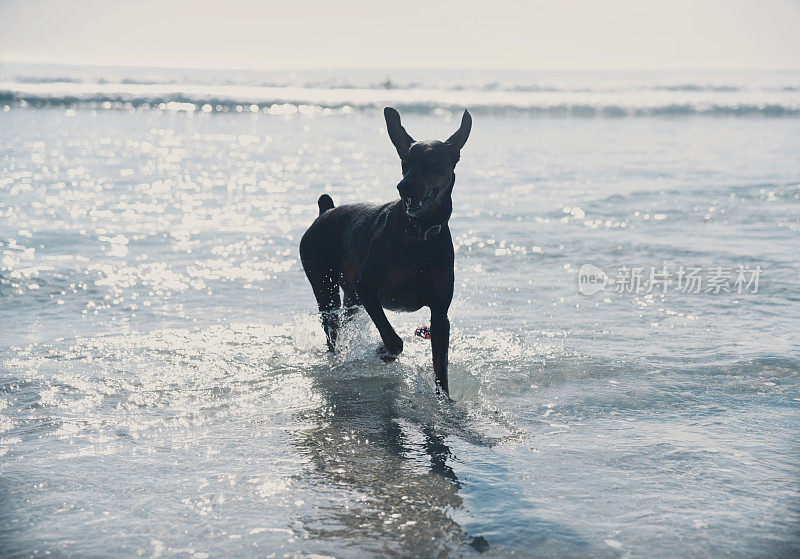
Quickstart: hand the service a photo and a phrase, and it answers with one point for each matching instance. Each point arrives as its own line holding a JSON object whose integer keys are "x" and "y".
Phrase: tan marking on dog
{"x": 347, "y": 271}
{"x": 440, "y": 284}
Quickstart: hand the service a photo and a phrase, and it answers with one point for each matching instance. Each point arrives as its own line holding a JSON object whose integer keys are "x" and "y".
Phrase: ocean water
{"x": 624, "y": 356}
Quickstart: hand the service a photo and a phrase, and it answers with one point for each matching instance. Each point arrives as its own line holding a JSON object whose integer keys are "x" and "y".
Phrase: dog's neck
{"x": 430, "y": 224}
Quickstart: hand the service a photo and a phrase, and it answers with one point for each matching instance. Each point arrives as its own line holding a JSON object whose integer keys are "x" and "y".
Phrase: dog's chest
{"x": 403, "y": 286}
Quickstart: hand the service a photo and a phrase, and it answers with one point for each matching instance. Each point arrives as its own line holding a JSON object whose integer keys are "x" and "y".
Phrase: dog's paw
{"x": 395, "y": 345}
{"x": 384, "y": 354}
{"x": 390, "y": 351}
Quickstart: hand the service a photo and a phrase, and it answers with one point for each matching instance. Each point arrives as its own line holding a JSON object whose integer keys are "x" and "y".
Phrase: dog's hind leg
{"x": 350, "y": 306}
{"x": 323, "y": 274}
{"x": 346, "y": 280}
{"x": 351, "y": 302}
{"x": 322, "y": 271}
{"x": 326, "y": 290}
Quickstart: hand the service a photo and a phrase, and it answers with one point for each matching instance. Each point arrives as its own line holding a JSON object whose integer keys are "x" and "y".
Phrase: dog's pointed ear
{"x": 457, "y": 140}
{"x": 400, "y": 138}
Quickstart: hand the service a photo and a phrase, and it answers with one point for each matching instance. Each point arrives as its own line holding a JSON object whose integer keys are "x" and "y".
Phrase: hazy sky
{"x": 568, "y": 34}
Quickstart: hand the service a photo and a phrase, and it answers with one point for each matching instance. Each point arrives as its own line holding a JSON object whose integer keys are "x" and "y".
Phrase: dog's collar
{"x": 418, "y": 233}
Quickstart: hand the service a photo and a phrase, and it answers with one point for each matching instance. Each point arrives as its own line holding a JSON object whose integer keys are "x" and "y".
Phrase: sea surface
{"x": 624, "y": 359}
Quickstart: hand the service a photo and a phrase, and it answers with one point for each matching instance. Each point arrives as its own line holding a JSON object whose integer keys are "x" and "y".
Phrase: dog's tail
{"x": 325, "y": 203}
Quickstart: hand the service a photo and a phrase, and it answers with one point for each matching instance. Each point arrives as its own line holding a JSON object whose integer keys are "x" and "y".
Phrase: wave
{"x": 311, "y": 103}
{"x": 54, "y": 79}
{"x": 509, "y": 93}
{"x": 333, "y": 83}
{"x": 698, "y": 87}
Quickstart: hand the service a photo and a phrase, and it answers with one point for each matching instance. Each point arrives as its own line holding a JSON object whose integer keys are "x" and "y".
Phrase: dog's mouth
{"x": 416, "y": 208}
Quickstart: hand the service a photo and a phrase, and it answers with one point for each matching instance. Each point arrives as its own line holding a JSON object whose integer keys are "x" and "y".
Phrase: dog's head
{"x": 427, "y": 166}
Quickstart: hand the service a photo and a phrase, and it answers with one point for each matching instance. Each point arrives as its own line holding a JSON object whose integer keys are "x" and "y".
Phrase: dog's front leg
{"x": 393, "y": 344}
{"x": 440, "y": 341}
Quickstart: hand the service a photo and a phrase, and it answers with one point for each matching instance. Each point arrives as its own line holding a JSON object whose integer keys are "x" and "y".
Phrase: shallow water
{"x": 164, "y": 388}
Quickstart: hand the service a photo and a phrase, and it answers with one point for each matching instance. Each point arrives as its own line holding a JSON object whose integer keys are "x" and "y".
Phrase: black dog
{"x": 397, "y": 256}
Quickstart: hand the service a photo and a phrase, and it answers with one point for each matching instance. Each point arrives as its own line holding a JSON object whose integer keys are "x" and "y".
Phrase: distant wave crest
{"x": 288, "y": 104}
{"x": 488, "y": 86}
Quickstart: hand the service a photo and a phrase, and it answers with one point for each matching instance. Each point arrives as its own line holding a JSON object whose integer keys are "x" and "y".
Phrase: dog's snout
{"x": 405, "y": 187}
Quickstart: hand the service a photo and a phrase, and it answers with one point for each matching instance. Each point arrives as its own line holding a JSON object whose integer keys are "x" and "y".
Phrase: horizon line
{"x": 255, "y": 68}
